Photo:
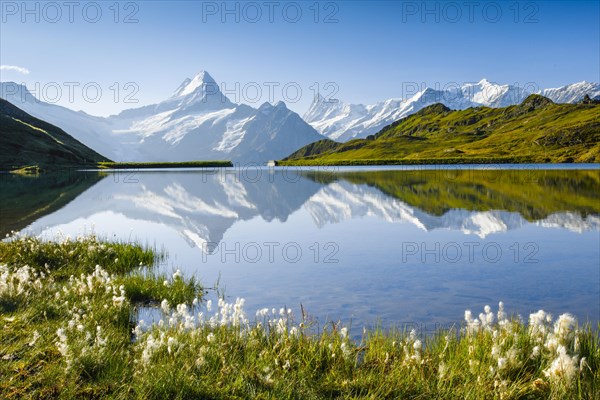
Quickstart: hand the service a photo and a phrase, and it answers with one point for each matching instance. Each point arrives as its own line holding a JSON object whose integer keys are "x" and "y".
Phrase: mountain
{"x": 28, "y": 141}
{"x": 572, "y": 93}
{"x": 342, "y": 121}
{"x": 197, "y": 122}
{"x": 537, "y": 130}
{"x": 94, "y": 132}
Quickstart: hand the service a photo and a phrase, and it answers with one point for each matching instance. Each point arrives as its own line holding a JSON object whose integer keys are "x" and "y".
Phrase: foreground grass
{"x": 174, "y": 164}
{"x": 67, "y": 330}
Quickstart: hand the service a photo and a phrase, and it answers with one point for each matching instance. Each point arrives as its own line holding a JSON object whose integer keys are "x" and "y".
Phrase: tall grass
{"x": 68, "y": 329}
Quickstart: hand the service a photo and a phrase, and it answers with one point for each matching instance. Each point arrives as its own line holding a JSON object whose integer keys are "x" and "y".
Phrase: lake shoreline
{"x": 71, "y": 329}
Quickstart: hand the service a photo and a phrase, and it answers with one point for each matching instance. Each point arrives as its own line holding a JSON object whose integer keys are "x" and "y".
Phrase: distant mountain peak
{"x": 199, "y": 82}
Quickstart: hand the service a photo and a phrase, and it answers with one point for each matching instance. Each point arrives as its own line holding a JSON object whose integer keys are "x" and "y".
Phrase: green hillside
{"x": 26, "y": 141}
{"x": 537, "y": 130}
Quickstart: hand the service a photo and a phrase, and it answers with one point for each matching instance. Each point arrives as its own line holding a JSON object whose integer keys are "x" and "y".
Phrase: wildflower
{"x": 344, "y": 333}
{"x": 164, "y": 305}
{"x": 564, "y": 325}
{"x": 563, "y": 368}
{"x": 171, "y": 343}
{"x": 501, "y": 363}
{"x": 36, "y": 336}
{"x": 262, "y": 313}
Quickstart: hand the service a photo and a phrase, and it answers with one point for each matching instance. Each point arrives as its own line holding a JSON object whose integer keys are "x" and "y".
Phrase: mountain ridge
{"x": 536, "y": 130}
{"x": 344, "y": 121}
{"x": 196, "y": 122}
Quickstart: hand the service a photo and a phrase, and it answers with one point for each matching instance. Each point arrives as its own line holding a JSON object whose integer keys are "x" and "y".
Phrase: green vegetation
{"x": 536, "y": 130}
{"x": 29, "y": 145}
{"x": 25, "y": 198}
{"x": 68, "y": 330}
{"x": 534, "y": 194}
{"x": 174, "y": 164}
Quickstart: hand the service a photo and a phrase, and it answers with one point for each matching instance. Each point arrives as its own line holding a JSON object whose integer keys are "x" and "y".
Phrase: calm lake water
{"x": 392, "y": 246}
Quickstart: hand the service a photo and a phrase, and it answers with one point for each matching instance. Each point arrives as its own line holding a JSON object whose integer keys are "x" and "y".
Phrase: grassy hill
{"x": 26, "y": 141}
{"x": 537, "y": 130}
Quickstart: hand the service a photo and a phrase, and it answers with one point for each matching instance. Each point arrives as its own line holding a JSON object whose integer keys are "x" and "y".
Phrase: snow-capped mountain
{"x": 572, "y": 93}
{"x": 343, "y": 121}
{"x": 198, "y": 122}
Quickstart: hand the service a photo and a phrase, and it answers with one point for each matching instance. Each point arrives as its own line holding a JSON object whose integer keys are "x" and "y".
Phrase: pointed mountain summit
{"x": 202, "y": 80}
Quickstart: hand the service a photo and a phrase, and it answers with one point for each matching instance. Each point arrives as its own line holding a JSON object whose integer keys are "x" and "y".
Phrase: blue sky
{"x": 369, "y": 51}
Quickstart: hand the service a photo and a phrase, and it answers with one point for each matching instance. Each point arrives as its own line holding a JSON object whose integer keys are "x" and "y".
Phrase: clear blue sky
{"x": 371, "y": 51}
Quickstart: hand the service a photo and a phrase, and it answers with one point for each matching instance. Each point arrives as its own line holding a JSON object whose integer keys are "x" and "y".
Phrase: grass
{"x": 536, "y": 130}
{"x": 174, "y": 164}
{"x": 69, "y": 329}
{"x": 31, "y": 145}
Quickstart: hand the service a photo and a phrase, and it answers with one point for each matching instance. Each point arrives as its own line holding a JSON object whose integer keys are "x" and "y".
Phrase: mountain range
{"x": 198, "y": 122}
{"x": 535, "y": 131}
{"x": 341, "y": 121}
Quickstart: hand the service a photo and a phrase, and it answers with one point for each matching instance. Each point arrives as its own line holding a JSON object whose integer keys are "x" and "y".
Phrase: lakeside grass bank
{"x": 69, "y": 328}
{"x": 409, "y": 161}
{"x": 166, "y": 164}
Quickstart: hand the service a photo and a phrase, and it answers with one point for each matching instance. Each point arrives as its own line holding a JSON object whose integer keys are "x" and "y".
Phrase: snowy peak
{"x": 202, "y": 81}
{"x": 572, "y": 93}
{"x": 342, "y": 122}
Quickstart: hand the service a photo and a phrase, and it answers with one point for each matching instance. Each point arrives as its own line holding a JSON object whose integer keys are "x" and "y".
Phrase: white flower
{"x": 417, "y": 345}
{"x": 564, "y": 368}
{"x": 501, "y": 363}
{"x": 35, "y": 338}
{"x": 344, "y": 333}
{"x": 564, "y": 325}
{"x": 164, "y": 305}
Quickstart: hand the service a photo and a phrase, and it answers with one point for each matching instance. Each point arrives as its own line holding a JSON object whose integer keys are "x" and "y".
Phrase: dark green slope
{"x": 27, "y": 141}
{"x": 26, "y": 198}
{"x": 537, "y": 130}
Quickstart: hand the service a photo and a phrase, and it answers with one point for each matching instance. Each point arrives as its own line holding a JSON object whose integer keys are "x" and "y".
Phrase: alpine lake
{"x": 406, "y": 247}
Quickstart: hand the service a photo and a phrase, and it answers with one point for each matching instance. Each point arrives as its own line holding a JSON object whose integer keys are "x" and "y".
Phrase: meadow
{"x": 70, "y": 327}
